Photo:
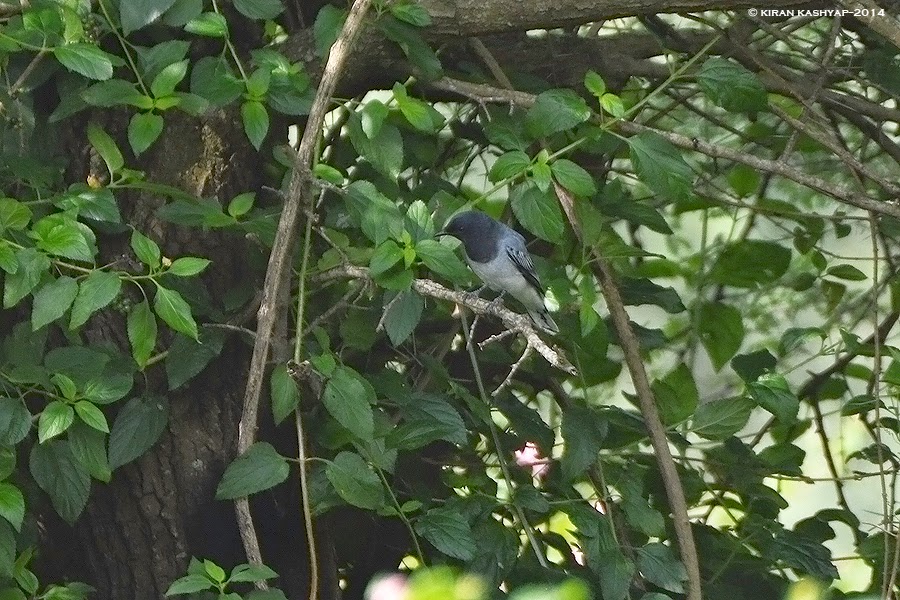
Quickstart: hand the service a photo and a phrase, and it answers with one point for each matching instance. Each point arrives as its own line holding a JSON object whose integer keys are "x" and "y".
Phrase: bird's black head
{"x": 477, "y": 232}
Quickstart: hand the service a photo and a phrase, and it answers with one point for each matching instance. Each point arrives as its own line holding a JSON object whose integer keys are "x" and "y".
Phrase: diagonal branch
{"x": 276, "y": 288}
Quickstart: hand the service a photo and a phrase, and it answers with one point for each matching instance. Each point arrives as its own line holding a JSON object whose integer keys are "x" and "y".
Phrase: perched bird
{"x": 499, "y": 257}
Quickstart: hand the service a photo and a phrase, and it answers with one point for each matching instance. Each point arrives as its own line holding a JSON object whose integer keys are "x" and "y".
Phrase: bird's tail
{"x": 543, "y": 320}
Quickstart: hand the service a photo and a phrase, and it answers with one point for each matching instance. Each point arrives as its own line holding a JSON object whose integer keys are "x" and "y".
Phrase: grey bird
{"x": 499, "y": 257}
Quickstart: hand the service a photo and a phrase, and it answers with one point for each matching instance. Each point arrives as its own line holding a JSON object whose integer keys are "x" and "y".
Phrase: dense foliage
{"x": 738, "y": 189}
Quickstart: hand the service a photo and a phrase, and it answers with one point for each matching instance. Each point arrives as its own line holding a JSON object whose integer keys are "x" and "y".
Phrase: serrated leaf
{"x": 241, "y": 204}
{"x": 660, "y": 166}
{"x": 85, "y": 59}
{"x": 258, "y": 469}
{"x": 15, "y": 421}
{"x": 141, "y": 332}
{"x": 137, "y": 427}
{"x": 327, "y": 27}
{"x": 658, "y": 565}
{"x": 31, "y": 266}
{"x": 259, "y": 9}
{"x": 509, "y": 165}
{"x": 95, "y": 292}
{"x": 108, "y": 388}
{"x": 14, "y": 215}
{"x": 573, "y": 178}
{"x": 188, "y": 266}
{"x": 55, "y": 419}
{"x": 721, "y": 418}
{"x": 402, "y": 315}
{"x": 60, "y": 235}
{"x": 595, "y": 85}
{"x": 256, "y": 121}
{"x": 250, "y": 573}
{"x": 52, "y": 301}
{"x": 143, "y": 130}
{"x": 208, "y": 24}
{"x": 146, "y": 250}
{"x": 442, "y": 260}
{"x": 285, "y": 395}
{"x": 91, "y": 415}
{"x": 89, "y": 448}
{"x": 350, "y": 403}
{"x": 721, "y": 330}
{"x": 448, "y": 531}
{"x": 748, "y": 263}
{"x": 175, "y": 311}
{"x": 554, "y": 111}
{"x": 538, "y": 212}
{"x": 583, "y": 432}
{"x": 106, "y": 147}
{"x": 12, "y": 505}
{"x": 355, "y": 481}
{"x": 732, "y": 86}
{"x": 616, "y": 572}
{"x": 848, "y": 272}
{"x": 414, "y": 14}
{"x": 772, "y": 393}
{"x": 165, "y": 82}
{"x": 135, "y": 14}
{"x": 56, "y": 471}
{"x": 676, "y": 394}
{"x": 187, "y": 358}
{"x": 189, "y": 584}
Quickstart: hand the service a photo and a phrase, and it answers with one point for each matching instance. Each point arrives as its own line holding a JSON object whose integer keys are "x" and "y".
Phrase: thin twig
{"x": 272, "y": 308}
{"x": 512, "y": 371}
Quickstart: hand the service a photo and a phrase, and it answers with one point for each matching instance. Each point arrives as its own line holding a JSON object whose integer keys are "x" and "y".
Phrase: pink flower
{"x": 388, "y": 587}
{"x": 530, "y": 456}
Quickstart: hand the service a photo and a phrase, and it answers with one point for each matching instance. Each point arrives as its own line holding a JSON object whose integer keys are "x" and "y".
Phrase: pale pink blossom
{"x": 530, "y": 456}
{"x": 388, "y": 587}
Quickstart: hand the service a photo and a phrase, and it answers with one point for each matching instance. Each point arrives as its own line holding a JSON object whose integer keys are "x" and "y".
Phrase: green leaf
{"x": 91, "y": 415}
{"x": 848, "y": 272}
{"x": 744, "y": 180}
{"x": 350, "y": 402}
{"x": 89, "y": 448}
{"x": 442, "y": 260}
{"x": 554, "y": 111}
{"x": 258, "y": 469}
{"x": 417, "y": 113}
{"x": 256, "y": 121}
{"x": 175, "y": 311}
{"x": 573, "y": 178}
{"x": 414, "y": 14}
{"x": 658, "y": 565}
{"x": 380, "y": 216}
{"x": 113, "y": 92}
{"x": 509, "y": 165}
{"x": 32, "y": 265}
{"x": 372, "y": 117}
{"x": 721, "y": 330}
{"x": 660, "y": 166}
{"x": 676, "y": 395}
{"x": 209, "y": 24}
{"x": 12, "y": 505}
{"x": 97, "y": 204}
{"x": 108, "y": 388}
{"x": 612, "y": 105}
{"x": 61, "y": 235}
{"x": 165, "y": 82}
{"x": 56, "y": 471}
{"x": 595, "y": 85}
{"x": 65, "y": 385}
{"x": 538, "y": 212}
{"x": 241, "y": 204}
{"x": 616, "y": 572}
{"x": 187, "y": 358}
{"x": 427, "y": 418}
{"x": 384, "y": 257}
{"x": 146, "y": 250}
{"x": 15, "y": 421}
{"x": 402, "y": 315}
{"x": 106, "y": 147}
{"x": 188, "y": 266}
{"x": 154, "y": 59}
{"x": 748, "y": 263}
{"x": 85, "y": 59}
{"x": 355, "y": 481}
{"x": 327, "y": 27}
{"x": 804, "y": 555}
{"x": 135, "y": 14}
{"x": 54, "y": 420}
{"x": 14, "y": 215}
{"x": 384, "y": 151}
{"x": 731, "y": 86}
{"x": 448, "y": 531}
{"x": 141, "y": 333}
{"x": 772, "y": 393}
{"x": 143, "y": 130}
{"x": 136, "y": 428}
{"x": 212, "y": 79}
{"x": 52, "y": 301}
{"x": 720, "y": 419}
{"x": 189, "y": 584}
{"x": 251, "y": 573}
{"x": 95, "y": 292}
{"x": 285, "y": 395}
{"x": 259, "y": 9}
{"x": 583, "y": 432}
{"x": 215, "y": 572}
{"x": 258, "y": 82}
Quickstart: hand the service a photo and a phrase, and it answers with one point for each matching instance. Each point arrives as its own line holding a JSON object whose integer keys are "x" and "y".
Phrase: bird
{"x": 497, "y": 254}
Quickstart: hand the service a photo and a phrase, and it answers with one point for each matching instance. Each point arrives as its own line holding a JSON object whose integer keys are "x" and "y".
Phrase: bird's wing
{"x": 522, "y": 260}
